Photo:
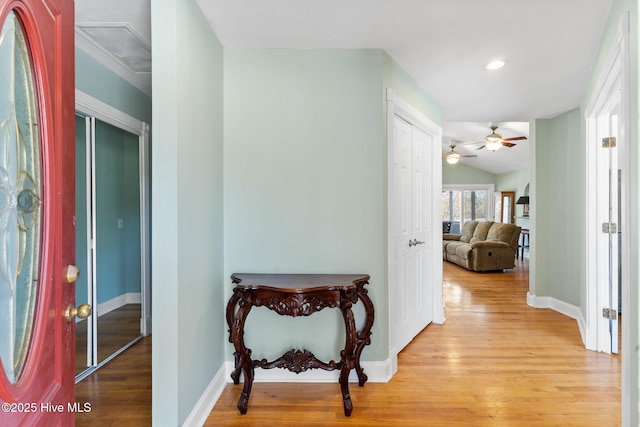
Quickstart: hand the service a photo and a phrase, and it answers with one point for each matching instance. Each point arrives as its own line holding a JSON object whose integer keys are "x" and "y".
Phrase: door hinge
{"x": 609, "y": 227}
{"x": 609, "y": 142}
{"x": 609, "y": 313}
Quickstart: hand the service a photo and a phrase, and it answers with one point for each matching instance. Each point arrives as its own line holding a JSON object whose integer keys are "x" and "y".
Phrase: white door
{"x": 423, "y": 249}
{"x": 608, "y": 216}
{"x": 606, "y": 143}
{"x": 410, "y": 222}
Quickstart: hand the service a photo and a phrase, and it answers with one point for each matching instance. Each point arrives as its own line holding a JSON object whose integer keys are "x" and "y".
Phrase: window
{"x": 465, "y": 203}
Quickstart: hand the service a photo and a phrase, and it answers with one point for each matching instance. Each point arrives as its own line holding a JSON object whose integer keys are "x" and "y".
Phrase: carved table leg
{"x": 348, "y": 357}
{"x": 363, "y": 336}
{"x": 231, "y": 309}
{"x": 242, "y": 356}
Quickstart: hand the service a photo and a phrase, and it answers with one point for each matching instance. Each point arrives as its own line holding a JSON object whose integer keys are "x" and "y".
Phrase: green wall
{"x": 305, "y": 179}
{"x": 463, "y": 174}
{"x": 405, "y": 87}
{"x": 98, "y": 81}
{"x": 558, "y": 219}
{"x": 187, "y": 218}
{"x": 304, "y": 182}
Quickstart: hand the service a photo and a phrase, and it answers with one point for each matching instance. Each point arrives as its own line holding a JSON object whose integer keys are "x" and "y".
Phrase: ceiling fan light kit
{"x": 494, "y": 141}
{"x": 493, "y": 144}
{"x": 453, "y": 157}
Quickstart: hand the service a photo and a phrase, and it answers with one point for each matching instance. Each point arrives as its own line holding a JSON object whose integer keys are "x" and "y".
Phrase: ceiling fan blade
{"x": 481, "y": 147}
{"x": 469, "y": 155}
{"x": 517, "y": 138}
{"x": 508, "y": 144}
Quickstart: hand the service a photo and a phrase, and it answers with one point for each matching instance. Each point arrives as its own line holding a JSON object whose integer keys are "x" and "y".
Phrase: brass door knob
{"x": 82, "y": 312}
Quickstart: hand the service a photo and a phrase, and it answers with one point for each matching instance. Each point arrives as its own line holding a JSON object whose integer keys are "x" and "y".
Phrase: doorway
{"x": 607, "y": 195}
{"x": 111, "y": 236}
{"x": 414, "y": 240}
{"x": 607, "y": 212}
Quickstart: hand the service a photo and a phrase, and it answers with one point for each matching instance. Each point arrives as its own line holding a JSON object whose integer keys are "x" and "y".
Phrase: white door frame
{"x": 615, "y": 77}
{"x": 91, "y": 106}
{"x": 397, "y": 107}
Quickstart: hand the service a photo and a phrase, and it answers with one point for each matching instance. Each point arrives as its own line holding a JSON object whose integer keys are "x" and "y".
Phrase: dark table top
{"x": 298, "y": 282}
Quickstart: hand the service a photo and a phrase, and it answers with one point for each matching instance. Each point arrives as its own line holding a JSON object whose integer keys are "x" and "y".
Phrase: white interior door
{"x": 411, "y": 225}
{"x": 423, "y": 249}
{"x": 401, "y": 220}
{"x": 608, "y": 214}
{"x": 606, "y": 222}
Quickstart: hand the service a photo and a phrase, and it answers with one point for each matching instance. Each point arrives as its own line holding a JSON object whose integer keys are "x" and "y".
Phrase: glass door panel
{"x": 83, "y": 260}
{"x": 20, "y": 198}
{"x": 117, "y": 215}
{"x": 108, "y": 241}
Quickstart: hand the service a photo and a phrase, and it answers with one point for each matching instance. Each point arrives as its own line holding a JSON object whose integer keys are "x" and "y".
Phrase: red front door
{"x": 37, "y": 232}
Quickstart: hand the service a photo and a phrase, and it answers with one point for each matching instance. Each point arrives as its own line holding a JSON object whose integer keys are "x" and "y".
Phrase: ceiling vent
{"x": 122, "y": 43}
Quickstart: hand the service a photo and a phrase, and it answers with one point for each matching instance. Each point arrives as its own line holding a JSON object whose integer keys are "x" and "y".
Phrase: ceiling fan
{"x": 495, "y": 140}
{"x": 454, "y": 157}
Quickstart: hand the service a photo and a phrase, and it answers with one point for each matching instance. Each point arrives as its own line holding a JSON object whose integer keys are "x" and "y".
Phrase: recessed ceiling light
{"x": 495, "y": 65}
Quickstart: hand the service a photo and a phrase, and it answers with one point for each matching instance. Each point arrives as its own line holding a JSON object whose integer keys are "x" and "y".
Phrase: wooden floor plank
{"x": 120, "y": 392}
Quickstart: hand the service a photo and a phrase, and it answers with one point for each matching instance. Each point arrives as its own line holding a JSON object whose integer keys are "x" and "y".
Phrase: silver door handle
{"x": 415, "y": 242}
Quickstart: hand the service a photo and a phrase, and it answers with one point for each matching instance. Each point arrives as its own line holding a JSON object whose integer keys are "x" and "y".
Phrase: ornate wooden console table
{"x": 299, "y": 295}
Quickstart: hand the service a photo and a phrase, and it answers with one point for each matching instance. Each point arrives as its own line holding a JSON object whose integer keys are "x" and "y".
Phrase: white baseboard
{"x": 439, "y": 316}
{"x": 207, "y": 401}
{"x": 119, "y": 301}
{"x": 562, "y": 308}
{"x": 145, "y": 326}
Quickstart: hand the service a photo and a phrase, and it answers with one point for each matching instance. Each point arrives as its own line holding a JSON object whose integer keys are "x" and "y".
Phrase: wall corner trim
{"x": 562, "y": 308}
{"x": 205, "y": 404}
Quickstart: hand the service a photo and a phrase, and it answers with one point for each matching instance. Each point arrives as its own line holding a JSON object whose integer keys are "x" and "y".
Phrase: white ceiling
{"x": 549, "y": 46}
{"x": 123, "y": 42}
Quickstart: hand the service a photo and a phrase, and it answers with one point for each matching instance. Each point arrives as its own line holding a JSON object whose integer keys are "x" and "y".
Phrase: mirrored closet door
{"x": 111, "y": 240}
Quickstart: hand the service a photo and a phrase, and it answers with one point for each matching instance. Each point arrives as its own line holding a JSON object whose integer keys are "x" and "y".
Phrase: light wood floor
{"x": 115, "y": 330}
{"x": 120, "y": 391}
{"x": 495, "y": 362}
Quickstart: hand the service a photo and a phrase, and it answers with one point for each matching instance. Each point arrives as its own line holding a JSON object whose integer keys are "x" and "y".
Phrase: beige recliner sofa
{"x": 482, "y": 246}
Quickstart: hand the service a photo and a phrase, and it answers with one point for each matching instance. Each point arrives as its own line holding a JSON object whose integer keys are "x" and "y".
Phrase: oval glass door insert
{"x": 20, "y": 197}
